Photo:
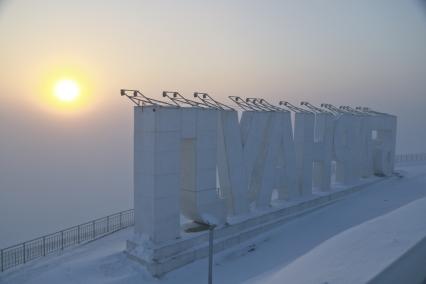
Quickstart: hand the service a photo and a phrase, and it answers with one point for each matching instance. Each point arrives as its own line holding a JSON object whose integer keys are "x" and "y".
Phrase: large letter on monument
{"x": 269, "y": 155}
{"x": 231, "y": 168}
{"x": 323, "y": 151}
{"x": 384, "y": 144}
{"x": 157, "y": 148}
{"x": 267, "y": 150}
{"x": 347, "y": 148}
{"x": 255, "y": 131}
{"x": 313, "y": 143}
{"x": 286, "y": 173}
{"x": 199, "y": 196}
{"x": 366, "y": 153}
{"x": 303, "y": 140}
{"x": 273, "y": 138}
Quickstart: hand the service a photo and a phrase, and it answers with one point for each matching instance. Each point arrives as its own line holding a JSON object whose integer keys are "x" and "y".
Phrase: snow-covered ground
{"x": 268, "y": 259}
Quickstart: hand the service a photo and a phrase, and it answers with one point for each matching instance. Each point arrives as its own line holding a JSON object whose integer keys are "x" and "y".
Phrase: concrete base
{"x": 162, "y": 258}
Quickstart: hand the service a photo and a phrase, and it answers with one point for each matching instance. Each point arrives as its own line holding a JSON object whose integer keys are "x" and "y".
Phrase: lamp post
{"x": 211, "y": 235}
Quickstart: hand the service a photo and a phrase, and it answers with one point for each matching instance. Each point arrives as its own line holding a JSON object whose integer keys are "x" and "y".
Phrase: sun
{"x": 66, "y": 90}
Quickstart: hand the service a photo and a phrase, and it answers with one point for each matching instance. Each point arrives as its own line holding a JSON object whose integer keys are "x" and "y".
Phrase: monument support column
{"x": 157, "y": 146}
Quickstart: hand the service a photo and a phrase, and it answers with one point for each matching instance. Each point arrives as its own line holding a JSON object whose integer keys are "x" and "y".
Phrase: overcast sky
{"x": 358, "y": 52}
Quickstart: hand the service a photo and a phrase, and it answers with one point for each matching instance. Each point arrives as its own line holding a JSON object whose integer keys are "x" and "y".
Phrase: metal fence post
{"x": 44, "y": 246}
{"x": 2, "y": 260}
{"x": 62, "y": 240}
{"x": 78, "y": 234}
{"x": 24, "y": 257}
{"x": 211, "y": 235}
{"x": 107, "y": 224}
{"x": 121, "y": 220}
{"x": 93, "y": 229}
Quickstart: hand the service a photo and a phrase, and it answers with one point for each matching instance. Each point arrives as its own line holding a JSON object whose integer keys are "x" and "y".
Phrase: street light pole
{"x": 211, "y": 231}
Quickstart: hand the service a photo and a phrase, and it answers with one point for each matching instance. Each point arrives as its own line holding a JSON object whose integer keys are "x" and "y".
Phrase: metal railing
{"x": 24, "y": 252}
{"x": 410, "y": 157}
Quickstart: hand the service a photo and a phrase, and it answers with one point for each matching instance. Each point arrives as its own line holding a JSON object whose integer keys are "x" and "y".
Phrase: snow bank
{"x": 388, "y": 249}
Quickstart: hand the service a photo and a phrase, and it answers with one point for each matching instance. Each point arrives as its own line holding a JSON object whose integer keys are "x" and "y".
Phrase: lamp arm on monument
{"x": 352, "y": 110}
{"x": 208, "y": 100}
{"x": 314, "y": 108}
{"x": 334, "y": 110}
{"x": 178, "y": 99}
{"x": 294, "y": 108}
{"x": 242, "y": 104}
{"x": 256, "y": 103}
{"x": 141, "y": 100}
{"x": 271, "y": 106}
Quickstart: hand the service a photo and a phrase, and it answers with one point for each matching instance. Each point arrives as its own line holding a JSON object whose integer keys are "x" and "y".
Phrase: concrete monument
{"x": 197, "y": 161}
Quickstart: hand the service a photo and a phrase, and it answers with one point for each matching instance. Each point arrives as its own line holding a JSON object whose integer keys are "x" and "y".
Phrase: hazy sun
{"x": 66, "y": 90}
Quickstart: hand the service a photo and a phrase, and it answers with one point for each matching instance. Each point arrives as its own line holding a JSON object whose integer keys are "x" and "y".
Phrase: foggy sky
{"x": 360, "y": 52}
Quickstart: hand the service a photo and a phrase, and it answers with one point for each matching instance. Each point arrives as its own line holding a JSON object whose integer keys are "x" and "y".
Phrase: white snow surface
{"x": 307, "y": 249}
{"x": 358, "y": 254}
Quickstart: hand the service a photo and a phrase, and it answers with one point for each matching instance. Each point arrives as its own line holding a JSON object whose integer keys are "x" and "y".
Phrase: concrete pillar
{"x": 157, "y": 150}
